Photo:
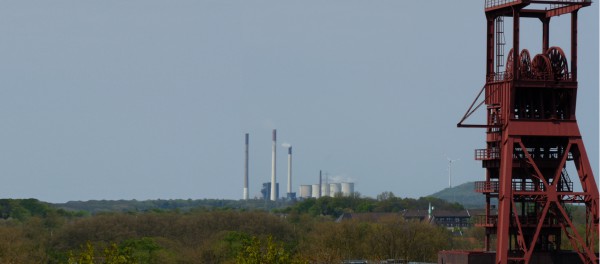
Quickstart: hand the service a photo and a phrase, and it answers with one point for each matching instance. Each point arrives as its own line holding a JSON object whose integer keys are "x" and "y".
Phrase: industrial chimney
{"x": 289, "y": 185}
{"x": 273, "y": 176}
{"x": 246, "y": 167}
{"x": 320, "y": 183}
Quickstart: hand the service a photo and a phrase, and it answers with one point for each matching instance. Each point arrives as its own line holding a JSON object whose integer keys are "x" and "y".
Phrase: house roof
{"x": 436, "y": 213}
{"x": 366, "y": 216}
{"x": 408, "y": 214}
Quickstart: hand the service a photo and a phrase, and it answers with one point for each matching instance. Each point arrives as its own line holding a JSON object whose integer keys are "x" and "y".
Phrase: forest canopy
{"x": 238, "y": 232}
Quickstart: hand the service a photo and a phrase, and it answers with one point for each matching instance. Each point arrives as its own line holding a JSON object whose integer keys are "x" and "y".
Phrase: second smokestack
{"x": 320, "y": 183}
{"x": 273, "y": 176}
{"x": 289, "y": 185}
{"x": 246, "y": 167}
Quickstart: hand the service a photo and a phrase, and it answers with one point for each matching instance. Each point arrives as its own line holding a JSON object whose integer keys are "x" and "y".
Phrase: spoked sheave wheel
{"x": 525, "y": 64}
{"x": 541, "y": 68}
{"x": 558, "y": 62}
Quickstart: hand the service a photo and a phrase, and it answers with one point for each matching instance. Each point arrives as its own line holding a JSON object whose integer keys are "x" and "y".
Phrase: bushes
{"x": 217, "y": 236}
{"x": 210, "y": 236}
{"x": 387, "y": 238}
{"x": 385, "y": 202}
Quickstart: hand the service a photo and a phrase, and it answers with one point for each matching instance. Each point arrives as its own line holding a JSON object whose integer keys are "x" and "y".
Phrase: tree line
{"x": 306, "y": 232}
{"x": 385, "y": 202}
{"x": 36, "y": 232}
{"x": 332, "y": 206}
{"x": 216, "y": 237}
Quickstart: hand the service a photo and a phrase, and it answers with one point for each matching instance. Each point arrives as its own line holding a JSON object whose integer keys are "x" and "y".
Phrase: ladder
{"x": 500, "y": 42}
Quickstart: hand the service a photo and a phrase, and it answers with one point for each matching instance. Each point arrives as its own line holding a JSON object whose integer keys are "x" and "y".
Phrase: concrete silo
{"x": 347, "y": 188}
{"x": 335, "y": 188}
{"x": 305, "y": 191}
{"x": 316, "y": 190}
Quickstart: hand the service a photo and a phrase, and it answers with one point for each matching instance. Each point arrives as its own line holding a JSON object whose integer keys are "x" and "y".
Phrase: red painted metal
{"x": 531, "y": 136}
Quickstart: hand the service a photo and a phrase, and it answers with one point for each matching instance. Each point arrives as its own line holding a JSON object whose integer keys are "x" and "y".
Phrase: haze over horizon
{"x": 149, "y": 99}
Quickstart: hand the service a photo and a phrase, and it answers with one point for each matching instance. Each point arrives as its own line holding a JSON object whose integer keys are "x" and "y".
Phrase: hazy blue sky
{"x": 146, "y": 99}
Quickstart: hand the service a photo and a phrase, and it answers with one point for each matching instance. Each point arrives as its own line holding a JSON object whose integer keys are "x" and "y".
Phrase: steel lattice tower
{"x": 531, "y": 136}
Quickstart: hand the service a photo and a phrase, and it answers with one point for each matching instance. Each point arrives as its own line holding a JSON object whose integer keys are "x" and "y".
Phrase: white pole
{"x": 450, "y": 171}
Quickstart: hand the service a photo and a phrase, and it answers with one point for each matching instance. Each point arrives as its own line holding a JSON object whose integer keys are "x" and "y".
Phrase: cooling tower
{"x": 335, "y": 188}
{"x": 347, "y": 188}
{"x": 305, "y": 191}
{"x": 316, "y": 190}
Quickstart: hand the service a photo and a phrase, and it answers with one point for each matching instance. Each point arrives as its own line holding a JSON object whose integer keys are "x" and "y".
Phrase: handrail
{"x": 494, "y": 186}
{"x": 487, "y": 154}
{"x": 486, "y": 186}
{"x": 552, "y": 3}
{"x": 493, "y": 3}
{"x": 518, "y": 153}
{"x": 507, "y": 76}
{"x": 483, "y": 220}
{"x": 494, "y": 154}
{"x": 528, "y": 186}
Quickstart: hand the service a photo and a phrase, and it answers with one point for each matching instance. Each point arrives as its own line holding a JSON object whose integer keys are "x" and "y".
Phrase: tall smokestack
{"x": 289, "y": 185}
{"x": 273, "y": 176}
{"x": 246, "y": 167}
{"x": 320, "y": 183}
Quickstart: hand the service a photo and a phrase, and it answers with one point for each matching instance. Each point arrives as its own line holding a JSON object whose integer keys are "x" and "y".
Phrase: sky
{"x": 150, "y": 99}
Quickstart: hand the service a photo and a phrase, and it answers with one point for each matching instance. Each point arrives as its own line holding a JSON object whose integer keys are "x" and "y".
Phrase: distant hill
{"x": 23, "y": 209}
{"x": 464, "y": 194}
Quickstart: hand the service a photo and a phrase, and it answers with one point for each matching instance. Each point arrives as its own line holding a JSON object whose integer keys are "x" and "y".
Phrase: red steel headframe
{"x": 531, "y": 135}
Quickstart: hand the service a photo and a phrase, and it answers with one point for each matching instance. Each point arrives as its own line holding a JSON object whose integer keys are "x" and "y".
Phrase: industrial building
{"x": 270, "y": 190}
{"x": 266, "y": 191}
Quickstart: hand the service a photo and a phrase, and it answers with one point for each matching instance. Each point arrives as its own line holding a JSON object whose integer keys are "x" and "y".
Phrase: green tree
{"x": 86, "y": 256}
{"x": 255, "y": 252}
{"x": 112, "y": 254}
{"x": 144, "y": 250}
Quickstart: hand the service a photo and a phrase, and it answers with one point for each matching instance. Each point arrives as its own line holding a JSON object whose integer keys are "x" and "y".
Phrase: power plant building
{"x": 266, "y": 191}
{"x": 270, "y": 190}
